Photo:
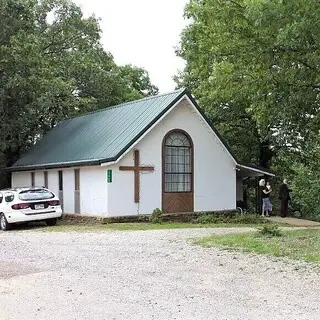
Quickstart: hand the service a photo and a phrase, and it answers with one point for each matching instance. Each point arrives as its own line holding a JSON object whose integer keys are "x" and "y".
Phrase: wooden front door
{"x": 177, "y": 172}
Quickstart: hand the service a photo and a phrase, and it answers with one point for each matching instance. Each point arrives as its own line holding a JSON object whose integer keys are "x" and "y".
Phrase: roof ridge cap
{"x": 123, "y": 104}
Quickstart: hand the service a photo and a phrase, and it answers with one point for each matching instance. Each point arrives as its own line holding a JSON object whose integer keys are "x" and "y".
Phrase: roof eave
{"x": 48, "y": 166}
{"x": 223, "y": 141}
{"x": 257, "y": 169}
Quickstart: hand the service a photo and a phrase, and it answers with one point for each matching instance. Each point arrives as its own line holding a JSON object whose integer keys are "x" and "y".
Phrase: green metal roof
{"x": 97, "y": 137}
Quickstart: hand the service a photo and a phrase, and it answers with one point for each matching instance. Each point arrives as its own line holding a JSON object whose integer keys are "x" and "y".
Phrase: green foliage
{"x": 254, "y": 68}
{"x": 230, "y": 217}
{"x": 249, "y": 219}
{"x": 52, "y": 65}
{"x": 156, "y": 216}
{"x": 253, "y": 65}
{"x": 138, "y": 80}
{"x": 270, "y": 231}
{"x": 306, "y": 191}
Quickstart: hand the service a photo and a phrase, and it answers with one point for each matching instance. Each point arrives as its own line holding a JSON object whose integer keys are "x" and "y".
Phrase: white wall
{"x": 121, "y": 190}
{"x": 68, "y": 190}
{"x": 53, "y": 181}
{"x": 93, "y": 187}
{"x": 38, "y": 179}
{"x": 214, "y": 169}
{"x": 21, "y": 179}
{"x": 93, "y": 190}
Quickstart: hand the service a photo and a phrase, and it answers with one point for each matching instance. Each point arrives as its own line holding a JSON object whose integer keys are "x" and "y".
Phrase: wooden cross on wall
{"x": 137, "y": 169}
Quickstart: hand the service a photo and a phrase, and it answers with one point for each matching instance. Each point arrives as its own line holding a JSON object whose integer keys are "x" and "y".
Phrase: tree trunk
{"x": 266, "y": 154}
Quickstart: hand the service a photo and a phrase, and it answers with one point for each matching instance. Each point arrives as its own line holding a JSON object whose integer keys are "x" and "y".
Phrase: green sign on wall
{"x": 109, "y": 175}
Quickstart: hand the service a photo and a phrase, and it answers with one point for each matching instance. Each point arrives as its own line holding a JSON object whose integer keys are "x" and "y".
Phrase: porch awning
{"x": 245, "y": 171}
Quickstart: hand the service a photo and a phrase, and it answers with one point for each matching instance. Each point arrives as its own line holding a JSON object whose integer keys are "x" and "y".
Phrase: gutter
{"x": 256, "y": 169}
{"x": 91, "y": 162}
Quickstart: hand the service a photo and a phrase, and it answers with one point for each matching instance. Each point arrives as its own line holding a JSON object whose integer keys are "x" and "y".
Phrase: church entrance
{"x": 177, "y": 172}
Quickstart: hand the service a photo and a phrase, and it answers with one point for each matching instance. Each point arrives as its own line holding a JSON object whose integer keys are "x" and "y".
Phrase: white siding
{"x": 214, "y": 169}
{"x": 121, "y": 190}
{"x": 93, "y": 187}
{"x": 39, "y": 179}
{"x": 21, "y": 179}
{"x": 53, "y": 181}
{"x": 93, "y": 190}
{"x": 68, "y": 190}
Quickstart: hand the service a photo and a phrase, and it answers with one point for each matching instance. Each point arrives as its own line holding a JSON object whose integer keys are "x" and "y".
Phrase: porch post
{"x": 258, "y": 196}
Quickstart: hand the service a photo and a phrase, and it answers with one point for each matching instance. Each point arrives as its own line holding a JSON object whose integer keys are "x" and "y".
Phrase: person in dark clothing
{"x": 284, "y": 196}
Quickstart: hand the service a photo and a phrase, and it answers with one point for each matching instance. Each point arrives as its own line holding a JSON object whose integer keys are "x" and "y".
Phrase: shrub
{"x": 230, "y": 217}
{"x": 206, "y": 219}
{"x": 249, "y": 219}
{"x": 270, "y": 231}
{"x": 156, "y": 216}
{"x": 306, "y": 189}
{"x": 214, "y": 217}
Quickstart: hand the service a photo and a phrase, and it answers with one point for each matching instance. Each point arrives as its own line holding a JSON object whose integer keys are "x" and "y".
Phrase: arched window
{"x": 178, "y": 162}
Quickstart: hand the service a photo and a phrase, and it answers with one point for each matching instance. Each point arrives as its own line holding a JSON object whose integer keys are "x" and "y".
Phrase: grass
{"x": 294, "y": 244}
{"x": 203, "y": 221}
{"x": 96, "y": 227}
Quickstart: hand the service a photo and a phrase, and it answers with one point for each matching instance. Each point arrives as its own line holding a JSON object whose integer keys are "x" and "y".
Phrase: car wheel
{"x": 51, "y": 222}
{"x": 4, "y": 224}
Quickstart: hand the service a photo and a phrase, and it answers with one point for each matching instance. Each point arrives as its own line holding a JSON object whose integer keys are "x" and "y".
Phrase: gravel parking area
{"x": 155, "y": 274}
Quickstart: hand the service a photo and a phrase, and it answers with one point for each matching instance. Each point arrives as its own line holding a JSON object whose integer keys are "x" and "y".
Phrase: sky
{"x": 143, "y": 33}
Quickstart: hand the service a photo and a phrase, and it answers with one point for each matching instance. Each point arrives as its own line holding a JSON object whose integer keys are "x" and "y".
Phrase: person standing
{"x": 265, "y": 198}
{"x": 284, "y": 196}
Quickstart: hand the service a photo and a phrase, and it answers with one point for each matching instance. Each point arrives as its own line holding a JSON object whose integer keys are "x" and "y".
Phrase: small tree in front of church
{"x": 156, "y": 216}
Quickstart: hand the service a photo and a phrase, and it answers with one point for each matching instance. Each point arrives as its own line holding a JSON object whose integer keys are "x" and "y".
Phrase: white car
{"x": 19, "y": 205}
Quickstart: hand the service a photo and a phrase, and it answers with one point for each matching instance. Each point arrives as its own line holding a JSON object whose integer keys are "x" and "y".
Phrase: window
{"x": 36, "y": 194}
{"x": 77, "y": 179}
{"x": 45, "y": 178}
{"x": 32, "y": 179}
{"x": 178, "y": 165}
{"x": 1, "y": 197}
{"x": 60, "y": 180}
{"x": 9, "y": 196}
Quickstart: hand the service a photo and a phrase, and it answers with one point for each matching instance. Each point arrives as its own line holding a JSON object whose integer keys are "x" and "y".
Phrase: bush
{"x": 230, "y": 217}
{"x": 206, "y": 219}
{"x": 249, "y": 219}
{"x": 156, "y": 216}
{"x": 270, "y": 231}
{"x": 214, "y": 217}
{"x": 306, "y": 190}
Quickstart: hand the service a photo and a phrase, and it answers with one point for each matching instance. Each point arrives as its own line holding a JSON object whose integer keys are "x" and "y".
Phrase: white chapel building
{"x": 157, "y": 152}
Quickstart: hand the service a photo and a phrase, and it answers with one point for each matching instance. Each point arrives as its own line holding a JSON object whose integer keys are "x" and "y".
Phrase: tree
{"x": 52, "y": 65}
{"x": 138, "y": 79}
{"x": 254, "y": 67}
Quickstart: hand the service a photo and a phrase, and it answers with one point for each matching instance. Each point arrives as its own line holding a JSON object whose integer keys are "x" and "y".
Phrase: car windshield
{"x": 36, "y": 194}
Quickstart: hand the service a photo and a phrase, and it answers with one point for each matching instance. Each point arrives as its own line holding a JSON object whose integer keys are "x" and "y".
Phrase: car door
{"x": 7, "y": 202}
{"x": 1, "y": 202}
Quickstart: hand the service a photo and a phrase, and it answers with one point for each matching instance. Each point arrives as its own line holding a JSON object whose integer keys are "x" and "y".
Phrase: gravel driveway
{"x": 139, "y": 275}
